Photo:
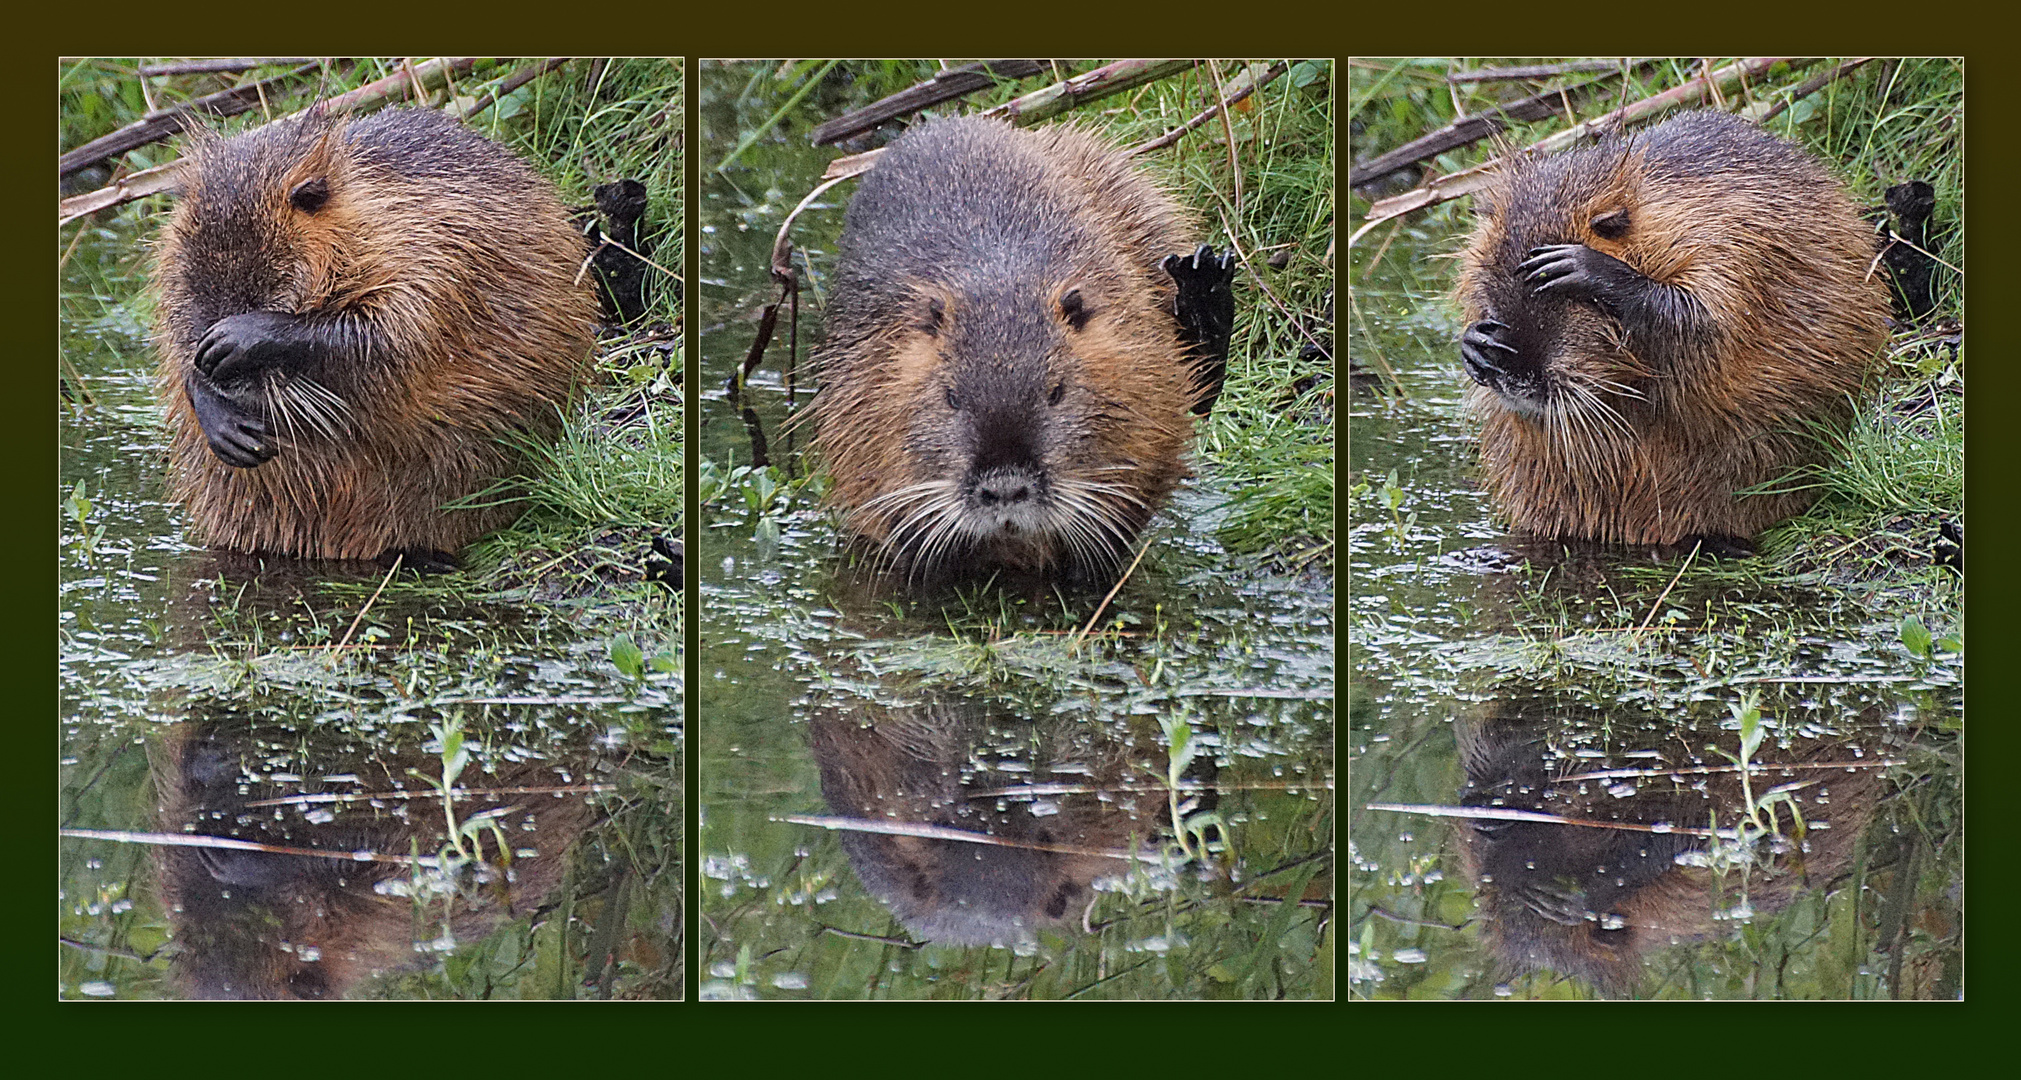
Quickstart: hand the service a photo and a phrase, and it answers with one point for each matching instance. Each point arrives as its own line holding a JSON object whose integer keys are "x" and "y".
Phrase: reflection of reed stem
{"x": 228, "y": 844}
{"x": 939, "y": 832}
{"x": 1697, "y": 770}
{"x": 1494, "y": 813}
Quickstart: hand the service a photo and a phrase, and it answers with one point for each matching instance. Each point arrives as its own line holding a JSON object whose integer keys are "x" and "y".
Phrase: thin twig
{"x": 1706, "y": 770}
{"x": 1088, "y": 86}
{"x": 940, "y": 832}
{"x": 1502, "y": 813}
{"x": 514, "y": 81}
{"x": 1811, "y": 86}
{"x": 221, "y": 66}
{"x": 852, "y": 935}
{"x": 1243, "y": 85}
{"x": 1653, "y": 608}
{"x": 945, "y": 85}
{"x": 454, "y": 793}
{"x": 1104, "y": 605}
{"x": 1228, "y": 132}
{"x": 1532, "y": 71}
{"x": 394, "y": 569}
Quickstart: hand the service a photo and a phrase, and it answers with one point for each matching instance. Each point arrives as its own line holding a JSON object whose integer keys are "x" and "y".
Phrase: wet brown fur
{"x": 463, "y": 265}
{"x": 976, "y": 216}
{"x": 1772, "y": 248}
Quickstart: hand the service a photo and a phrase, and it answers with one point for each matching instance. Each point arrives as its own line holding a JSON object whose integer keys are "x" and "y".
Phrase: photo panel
{"x": 1015, "y": 638}
{"x": 1657, "y": 503}
{"x": 370, "y": 504}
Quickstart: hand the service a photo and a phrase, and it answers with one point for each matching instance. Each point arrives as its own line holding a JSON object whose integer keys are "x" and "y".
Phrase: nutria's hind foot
{"x": 236, "y": 437}
{"x": 1205, "y": 308}
{"x": 420, "y": 560}
{"x": 1949, "y": 550}
{"x": 1718, "y": 547}
{"x": 670, "y": 569}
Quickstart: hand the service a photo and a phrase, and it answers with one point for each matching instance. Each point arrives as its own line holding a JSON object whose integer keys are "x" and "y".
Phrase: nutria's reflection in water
{"x": 1595, "y": 901}
{"x": 1069, "y": 802}
{"x": 254, "y": 924}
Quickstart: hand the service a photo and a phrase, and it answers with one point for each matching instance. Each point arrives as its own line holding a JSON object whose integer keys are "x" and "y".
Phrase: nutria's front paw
{"x": 238, "y": 345}
{"x": 1205, "y": 308}
{"x": 1488, "y": 358}
{"x": 1206, "y": 284}
{"x": 1576, "y": 271}
{"x": 236, "y": 437}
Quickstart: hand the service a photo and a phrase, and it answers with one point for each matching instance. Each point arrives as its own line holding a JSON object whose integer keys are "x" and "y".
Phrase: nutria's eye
{"x": 936, "y": 312}
{"x": 1059, "y": 391}
{"x": 1074, "y": 309}
{"x": 952, "y": 401}
{"x": 1612, "y": 225}
{"x": 310, "y": 195}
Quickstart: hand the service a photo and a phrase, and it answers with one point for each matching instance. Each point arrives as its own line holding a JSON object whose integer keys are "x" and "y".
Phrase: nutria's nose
{"x": 1003, "y": 487}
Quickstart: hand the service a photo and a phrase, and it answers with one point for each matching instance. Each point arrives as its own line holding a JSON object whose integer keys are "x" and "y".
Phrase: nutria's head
{"x": 1566, "y": 361}
{"x": 1031, "y": 438}
{"x": 262, "y": 223}
{"x": 268, "y": 221}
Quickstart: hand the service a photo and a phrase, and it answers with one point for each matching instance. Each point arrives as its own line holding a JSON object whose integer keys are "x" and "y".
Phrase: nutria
{"x": 361, "y": 321}
{"x": 1597, "y": 903}
{"x": 1014, "y": 342}
{"x": 1666, "y": 330}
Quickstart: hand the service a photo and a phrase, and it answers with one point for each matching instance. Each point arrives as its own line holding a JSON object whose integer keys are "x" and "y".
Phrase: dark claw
{"x": 1549, "y": 265}
{"x": 236, "y": 437}
{"x": 1485, "y": 355}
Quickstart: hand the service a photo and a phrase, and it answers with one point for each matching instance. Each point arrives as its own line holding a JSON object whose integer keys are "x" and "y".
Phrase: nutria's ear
{"x": 1612, "y": 225}
{"x": 1074, "y": 308}
{"x": 310, "y": 195}
{"x": 932, "y": 317}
